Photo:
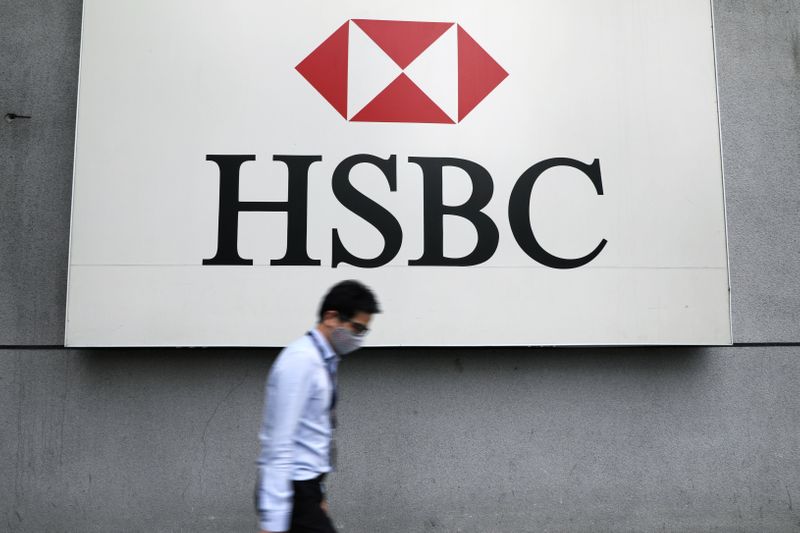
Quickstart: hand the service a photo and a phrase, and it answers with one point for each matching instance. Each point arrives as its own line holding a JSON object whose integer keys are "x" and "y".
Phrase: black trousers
{"x": 307, "y": 515}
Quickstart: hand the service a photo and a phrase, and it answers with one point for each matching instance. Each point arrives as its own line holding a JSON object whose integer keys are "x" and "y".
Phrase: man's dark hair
{"x": 348, "y": 298}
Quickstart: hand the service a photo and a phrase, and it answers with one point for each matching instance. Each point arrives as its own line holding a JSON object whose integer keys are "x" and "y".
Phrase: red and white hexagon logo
{"x": 401, "y": 71}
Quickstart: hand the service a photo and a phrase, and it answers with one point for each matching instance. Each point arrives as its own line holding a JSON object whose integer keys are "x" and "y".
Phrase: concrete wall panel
{"x": 758, "y": 50}
{"x": 39, "y": 48}
{"x": 446, "y": 440}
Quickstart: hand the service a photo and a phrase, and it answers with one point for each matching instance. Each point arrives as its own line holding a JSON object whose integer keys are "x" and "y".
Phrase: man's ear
{"x": 329, "y": 315}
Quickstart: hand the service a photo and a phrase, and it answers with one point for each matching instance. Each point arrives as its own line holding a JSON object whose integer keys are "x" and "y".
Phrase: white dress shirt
{"x": 296, "y": 427}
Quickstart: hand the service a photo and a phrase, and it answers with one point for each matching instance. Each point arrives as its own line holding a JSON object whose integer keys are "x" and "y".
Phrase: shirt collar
{"x": 326, "y": 347}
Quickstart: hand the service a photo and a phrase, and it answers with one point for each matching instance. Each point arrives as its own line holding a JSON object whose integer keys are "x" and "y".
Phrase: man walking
{"x": 299, "y": 414}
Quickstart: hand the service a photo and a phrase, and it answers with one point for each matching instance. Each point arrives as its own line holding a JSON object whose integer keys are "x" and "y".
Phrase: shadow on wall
{"x": 628, "y": 364}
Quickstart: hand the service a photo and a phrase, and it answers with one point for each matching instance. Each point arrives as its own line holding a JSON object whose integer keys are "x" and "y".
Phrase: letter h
{"x": 296, "y": 208}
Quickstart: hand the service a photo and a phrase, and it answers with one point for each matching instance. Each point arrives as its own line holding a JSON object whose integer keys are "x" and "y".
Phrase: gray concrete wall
{"x": 509, "y": 440}
{"x": 758, "y": 55}
{"x": 39, "y": 49}
{"x": 431, "y": 440}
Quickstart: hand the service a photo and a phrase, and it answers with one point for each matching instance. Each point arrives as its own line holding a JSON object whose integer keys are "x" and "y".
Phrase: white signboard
{"x": 500, "y": 173}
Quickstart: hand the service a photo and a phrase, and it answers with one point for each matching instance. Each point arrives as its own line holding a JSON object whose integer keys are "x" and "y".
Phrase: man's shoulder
{"x": 301, "y": 351}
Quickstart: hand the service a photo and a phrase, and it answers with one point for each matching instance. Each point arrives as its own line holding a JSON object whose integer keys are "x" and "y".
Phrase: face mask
{"x": 344, "y": 341}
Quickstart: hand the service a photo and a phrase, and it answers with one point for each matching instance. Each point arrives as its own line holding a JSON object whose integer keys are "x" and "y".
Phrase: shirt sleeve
{"x": 287, "y": 391}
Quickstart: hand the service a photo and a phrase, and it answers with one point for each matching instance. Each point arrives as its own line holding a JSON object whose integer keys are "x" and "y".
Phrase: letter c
{"x": 520, "y": 218}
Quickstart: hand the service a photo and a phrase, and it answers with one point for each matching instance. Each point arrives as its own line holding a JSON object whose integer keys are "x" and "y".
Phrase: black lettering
{"x": 434, "y": 212}
{"x": 519, "y": 211}
{"x": 367, "y": 209}
{"x": 296, "y": 208}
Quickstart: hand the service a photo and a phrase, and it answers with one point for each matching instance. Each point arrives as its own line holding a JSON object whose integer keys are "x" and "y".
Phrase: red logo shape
{"x": 403, "y": 41}
{"x": 326, "y": 69}
{"x": 402, "y": 101}
{"x": 419, "y": 89}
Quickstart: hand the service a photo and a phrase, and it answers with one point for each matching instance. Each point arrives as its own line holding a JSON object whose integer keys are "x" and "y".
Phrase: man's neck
{"x": 324, "y": 332}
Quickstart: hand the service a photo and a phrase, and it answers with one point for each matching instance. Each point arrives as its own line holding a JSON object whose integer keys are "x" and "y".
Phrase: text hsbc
{"x": 434, "y": 210}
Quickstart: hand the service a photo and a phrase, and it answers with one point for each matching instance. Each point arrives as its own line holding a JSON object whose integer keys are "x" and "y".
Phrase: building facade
{"x": 471, "y": 440}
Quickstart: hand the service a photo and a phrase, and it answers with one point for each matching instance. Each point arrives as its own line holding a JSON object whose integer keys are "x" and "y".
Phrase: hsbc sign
{"x": 404, "y": 56}
{"x": 530, "y": 175}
